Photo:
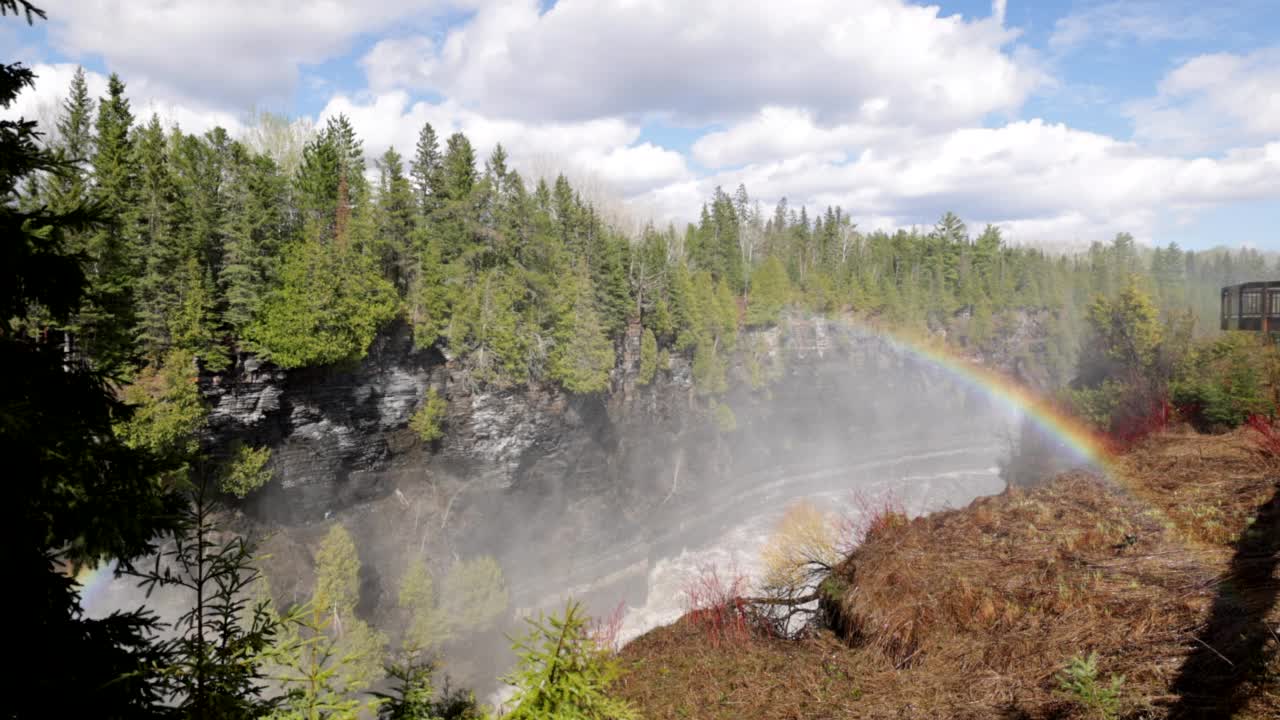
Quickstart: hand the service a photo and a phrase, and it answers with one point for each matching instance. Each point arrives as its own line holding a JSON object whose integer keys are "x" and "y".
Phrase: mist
{"x": 630, "y": 496}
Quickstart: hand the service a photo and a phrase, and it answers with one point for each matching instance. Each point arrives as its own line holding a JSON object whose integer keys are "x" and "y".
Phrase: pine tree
{"x": 255, "y": 229}
{"x": 161, "y": 258}
{"x": 583, "y": 355}
{"x": 82, "y": 494}
{"x": 330, "y": 304}
{"x": 426, "y": 171}
{"x": 562, "y": 675}
{"x": 69, "y": 188}
{"x": 396, "y": 223}
{"x": 458, "y": 169}
{"x": 106, "y": 325}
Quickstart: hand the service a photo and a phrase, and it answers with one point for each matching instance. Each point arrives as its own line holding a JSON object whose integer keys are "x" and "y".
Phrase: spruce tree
{"x": 106, "y": 324}
{"x": 84, "y": 496}
{"x": 73, "y": 148}
{"x": 458, "y": 169}
{"x": 161, "y": 258}
{"x": 395, "y": 221}
{"x": 563, "y": 675}
{"x": 583, "y": 355}
{"x": 426, "y": 170}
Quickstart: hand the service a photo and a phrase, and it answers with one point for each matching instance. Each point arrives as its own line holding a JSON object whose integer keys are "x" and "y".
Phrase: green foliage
{"x": 583, "y": 355}
{"x": 1221, "y": 382}
{"x": 428, "y": 421}
{"x": 562, "y": 674}
{"x": 170, "y": 410}
{"x": 1080, "y": 681}
{"x": 474, "y": 594}
{"x": 648, "y": 357}
{"x": 246, "y": 470}
{"x": 414, "y": 697}
{"x": 726, "y": 421}
{"x": 1097, "y": 405}
{"x": 337, "y": 586}
{"x": 214, "y": 661}
{"x": 327, "y": 310}
{"x": 313, "y": 669}
{"x": 770, "y": 290}
{"x": 82, "y": 494}
{"x": 1126, "y": 330}
{"x": 428, "y": 625}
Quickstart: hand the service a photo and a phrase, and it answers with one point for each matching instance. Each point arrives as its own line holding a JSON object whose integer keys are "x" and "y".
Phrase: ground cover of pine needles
{"x": 1168, "y": 572}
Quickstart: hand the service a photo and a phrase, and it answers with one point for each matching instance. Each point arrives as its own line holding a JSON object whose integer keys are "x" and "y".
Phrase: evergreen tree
{"x": 396, "y": 223}
{"x": 583, "y": 355}
{"x": 328, "y": 308}
{"x": 562, "y": 675}
{"x": 426, "y": 170}
{"x": 84, "y": 496}
{"x": 458, "y": 168}
{"x": 69, "y": 188}
{"x": 106, "y": 324}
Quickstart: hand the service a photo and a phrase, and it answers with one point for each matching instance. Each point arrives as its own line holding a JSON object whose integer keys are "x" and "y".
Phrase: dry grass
{"x": 1208, "y": 486}
{"x": 972, "y": 613}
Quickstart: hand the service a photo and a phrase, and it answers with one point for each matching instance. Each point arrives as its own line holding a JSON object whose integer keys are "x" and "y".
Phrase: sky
{"x": 1060, "y": 121}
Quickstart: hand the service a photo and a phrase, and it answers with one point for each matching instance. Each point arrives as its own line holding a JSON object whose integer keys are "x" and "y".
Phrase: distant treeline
{"x": 217, "y": 246}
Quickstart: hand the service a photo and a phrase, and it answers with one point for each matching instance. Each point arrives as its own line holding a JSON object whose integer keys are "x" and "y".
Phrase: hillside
{"x": 1169, "y": 574}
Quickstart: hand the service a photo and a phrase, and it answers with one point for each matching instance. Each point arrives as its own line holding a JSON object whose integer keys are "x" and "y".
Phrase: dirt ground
{"x": 1167, "y": 570}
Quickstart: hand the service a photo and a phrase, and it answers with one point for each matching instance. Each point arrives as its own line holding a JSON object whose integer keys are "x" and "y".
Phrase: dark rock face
{"x": 340, "y": 436}
{"x": 330, "y": 429}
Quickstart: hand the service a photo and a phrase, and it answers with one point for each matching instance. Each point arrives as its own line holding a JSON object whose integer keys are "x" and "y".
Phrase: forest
{"x": 284, "y": 244}
{"x": 139, "y": 258}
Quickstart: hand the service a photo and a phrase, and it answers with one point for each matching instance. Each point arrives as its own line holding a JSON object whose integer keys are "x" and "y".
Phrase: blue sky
{"x": 1062, "y": 122}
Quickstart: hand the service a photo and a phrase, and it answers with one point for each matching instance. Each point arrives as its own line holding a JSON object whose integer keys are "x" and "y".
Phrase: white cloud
{"x": 235, "y": 53}
{"x": 778, "y": 132}
{"x": 717, "y": 60}
{"x": 42, "y": 102}
{"x": 1213, "y": 101}
{"x": 1041, "y": 182}
{"x": 605, "y": 148}
{"x": 1117, "y": 24}
{"x": 998, "y": 10}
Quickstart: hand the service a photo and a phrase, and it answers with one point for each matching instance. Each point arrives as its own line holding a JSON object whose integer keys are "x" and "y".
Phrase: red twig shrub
{"x": 1266, "y": 437}
{"x": 1129, "y": 430}
{"x": 605, "y": 630}
{"x": 868, "y": 516}
{"x": 715, "y": 604}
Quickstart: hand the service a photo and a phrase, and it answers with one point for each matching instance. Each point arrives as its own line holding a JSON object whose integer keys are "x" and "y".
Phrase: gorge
{"x": 612, "y": 498}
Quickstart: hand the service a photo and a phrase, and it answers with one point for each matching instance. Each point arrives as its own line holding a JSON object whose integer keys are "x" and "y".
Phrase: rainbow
{"x": 93, "y": 582}
{"x": 1087, "y": 444}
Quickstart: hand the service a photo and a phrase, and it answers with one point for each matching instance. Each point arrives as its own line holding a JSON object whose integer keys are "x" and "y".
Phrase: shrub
{"x": 562, "y": 674}
{"x": 648, "y": 357}
{"x": 802, "y": 548}
{"x": 474, "y": 594}
{"x": 869, "y": 517}
{"x": 428, "y": 421}
{"x": 726, "y": 421}
{"x": 1223, "y": 382}
{"x": 247, "y": 469}
{"x": 1267, "y": 437}
{"x": 715, "y": 605}
{"x": 605, "y": 631}
{"x": 1080, "y": 680}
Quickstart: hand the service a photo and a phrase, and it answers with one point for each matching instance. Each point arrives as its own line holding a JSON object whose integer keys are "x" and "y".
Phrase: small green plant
{"x": 1079, "y": 679}
{"x": 563, "y": 674}
{"x": 247, "y": 469}
{"x": 726, "y": 421}
{"x": 648, "y": 357}
{"x": 428, "y": 422}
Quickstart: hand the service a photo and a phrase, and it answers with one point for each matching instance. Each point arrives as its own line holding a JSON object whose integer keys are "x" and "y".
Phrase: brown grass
{"x": 972, "y": 613}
